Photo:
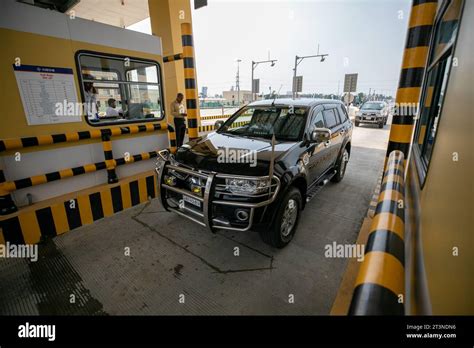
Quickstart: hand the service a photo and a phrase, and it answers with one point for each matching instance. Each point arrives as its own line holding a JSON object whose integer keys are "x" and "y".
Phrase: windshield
{"x": 373, "y": 106}
{"x": 263, "y": 121}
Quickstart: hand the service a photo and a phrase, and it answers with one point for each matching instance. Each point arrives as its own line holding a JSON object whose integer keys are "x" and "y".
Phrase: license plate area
{"x": 192, "y": 201}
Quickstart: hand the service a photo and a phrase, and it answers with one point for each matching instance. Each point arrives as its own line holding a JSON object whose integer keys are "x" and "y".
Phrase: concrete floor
{"x": 171, "y": 257}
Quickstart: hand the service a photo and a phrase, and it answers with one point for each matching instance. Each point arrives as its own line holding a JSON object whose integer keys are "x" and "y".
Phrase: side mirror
{"x": 320, "y": 135}
{"x": 218, "y": 124}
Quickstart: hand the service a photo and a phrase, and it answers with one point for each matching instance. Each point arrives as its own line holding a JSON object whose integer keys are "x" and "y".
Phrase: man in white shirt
{"x": 179, "y": 114}
{"x": 111, "y": 111}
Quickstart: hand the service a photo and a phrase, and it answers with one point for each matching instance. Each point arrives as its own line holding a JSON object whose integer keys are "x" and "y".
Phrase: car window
{"x": 330, "y": 118}
{"x": 318, "y": 120}
{"x": 342, "y": 113}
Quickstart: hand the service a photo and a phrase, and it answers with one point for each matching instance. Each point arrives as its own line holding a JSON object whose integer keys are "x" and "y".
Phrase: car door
{"x": 317, "y": 156}
{"x": 335, "y": 124}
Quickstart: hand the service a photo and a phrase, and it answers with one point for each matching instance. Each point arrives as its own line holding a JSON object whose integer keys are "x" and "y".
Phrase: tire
{"x": 357, "y": 123}
{"x": 275, "y": 235}
{"x": 385, "y": 122}
{"x": 341, "y": 167}
{"x": 381, "y": 124}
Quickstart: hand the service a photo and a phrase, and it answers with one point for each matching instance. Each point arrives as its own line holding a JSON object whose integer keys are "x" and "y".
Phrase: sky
{"x": 360, "y": 36}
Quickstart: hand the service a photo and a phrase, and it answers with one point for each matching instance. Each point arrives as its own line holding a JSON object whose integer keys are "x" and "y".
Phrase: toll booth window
{"x": 434, "y": 86}
{"x": 120, "y": 89}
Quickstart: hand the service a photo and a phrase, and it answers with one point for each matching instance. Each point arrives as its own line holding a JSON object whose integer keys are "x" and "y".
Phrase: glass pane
{"x": 330, "y": 118}
{"x": 318, "y": 121}
{"x": 146, "y": 73}
{"x": 435, "y": 110}
{"x": 447, "y": 28}
{"x": 144, "y": 101}
{"x": 427, "y": 104}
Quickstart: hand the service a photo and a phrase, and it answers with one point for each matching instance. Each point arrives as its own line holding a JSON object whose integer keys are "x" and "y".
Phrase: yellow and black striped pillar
{"x": 7, "y": 206}
{"x": 109, "y": 159}
{"x": 411, "y": 77}
{"x": 380, "y": 285}
{"x": 190, "y": 84}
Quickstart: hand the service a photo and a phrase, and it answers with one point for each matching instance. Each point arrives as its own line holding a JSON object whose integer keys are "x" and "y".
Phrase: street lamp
{"x": 254, "y": 65}
{"x": 298, "y": 60}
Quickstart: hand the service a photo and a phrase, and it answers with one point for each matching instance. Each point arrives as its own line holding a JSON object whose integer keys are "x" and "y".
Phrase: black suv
{"x": 259, "y": 168}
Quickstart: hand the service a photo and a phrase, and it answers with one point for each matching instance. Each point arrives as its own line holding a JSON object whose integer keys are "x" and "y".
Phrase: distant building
{"x": 231, "y": 96}
{"x": 204, "y": 91}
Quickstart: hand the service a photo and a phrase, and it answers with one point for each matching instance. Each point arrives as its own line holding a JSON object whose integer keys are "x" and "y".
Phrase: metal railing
{"x": 7, "y": 206}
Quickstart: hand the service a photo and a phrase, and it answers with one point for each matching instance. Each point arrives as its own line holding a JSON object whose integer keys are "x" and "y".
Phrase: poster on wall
{"x": 48, "y": 94}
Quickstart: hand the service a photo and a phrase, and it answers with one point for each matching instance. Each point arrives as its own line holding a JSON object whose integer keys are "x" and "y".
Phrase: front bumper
{"x": 370, "y": 118}
{"x": 215, "y": 207}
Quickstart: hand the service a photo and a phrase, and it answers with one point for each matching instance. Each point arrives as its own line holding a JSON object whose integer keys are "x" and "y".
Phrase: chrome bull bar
{"x": 208, "y": 200}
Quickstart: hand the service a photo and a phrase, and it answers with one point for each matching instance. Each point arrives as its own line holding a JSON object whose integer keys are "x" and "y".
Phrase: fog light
{"x": 196, "y": 189}
{"x": 242, "y": 215}
{"x": 170, "y": 180}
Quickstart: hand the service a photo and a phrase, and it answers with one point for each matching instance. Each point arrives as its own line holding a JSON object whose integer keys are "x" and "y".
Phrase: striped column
{"x": 7, "y": 206}
{"x": 413, "y": 68}
{"x": 190, "y": 84}
{"x": 109, "y": 159}
{"x": 380, "y": 283}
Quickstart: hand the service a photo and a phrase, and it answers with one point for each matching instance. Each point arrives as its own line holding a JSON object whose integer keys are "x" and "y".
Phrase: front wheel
{"x": 341, "y": 167}
{"x": 357, "y": 123}
{"x": 283, "y": 228}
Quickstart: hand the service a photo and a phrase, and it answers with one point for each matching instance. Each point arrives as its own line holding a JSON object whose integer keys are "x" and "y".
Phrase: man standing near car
{"x": 179, "y": 114}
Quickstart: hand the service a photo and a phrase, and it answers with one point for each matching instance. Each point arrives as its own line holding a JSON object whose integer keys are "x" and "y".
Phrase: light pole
{"x": 237, "y": 82}
{"x": 254, "y": 65}
{"x": 298, "y": 60}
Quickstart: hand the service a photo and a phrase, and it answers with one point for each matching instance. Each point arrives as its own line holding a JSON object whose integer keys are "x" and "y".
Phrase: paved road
{"x": 171, "y": 257}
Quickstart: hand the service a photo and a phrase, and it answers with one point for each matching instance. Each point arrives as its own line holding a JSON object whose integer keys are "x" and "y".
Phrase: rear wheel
{"x": 357, "y": 123}
{"x": 283, "y": 228}
{"x": 381, "y": 124}
{"x": 341, "y": 166}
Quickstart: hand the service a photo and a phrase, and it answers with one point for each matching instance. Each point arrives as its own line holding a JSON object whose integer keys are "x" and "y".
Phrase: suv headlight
{"x": 254, "y": 186}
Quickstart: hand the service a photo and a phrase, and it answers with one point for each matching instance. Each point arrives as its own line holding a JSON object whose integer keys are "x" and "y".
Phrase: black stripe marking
{"x": 189, "y": 83}
{"x": 134, "y": 192}
{"x": 150, "y": 186}
{"x": 404, "y": 120}
{"x": 192, "y": 123}
{"x": 191, "y": 103}
{"x": 393, "y": 185}
{"x": 100, "y": 165}
{"x": 386, "y": 241}
{"x": 187, "y": 40}
{"x": 30, "y": 141}
{"x": 156, "y": 126}
{"x": 188, "y": 63}
{"x": 418, "y": 36}
{"x": 84, "y": 135}
{"x": 72, "y": 213}
{"x": 141, "y": 128}
{"x": 108, "y": 155}
{"x": 2, "y": 146}
{"x": 53, "y": 176}
{"x": 411, "y": 77}
{"x": 12, "y": 231}
{"x": 403, "y": 147}
{"x": 173, "y": 143}
{"x": 2, "y": 176}
{"x": 46, "y": 222}
{"x": 78, "y": 171}
{"x": 116, "y": 198}
{"x": 96, "y": 206}
{"x": 22, "y": 183}
{"x": 106, "y": 133}
{"x": 59, "y": 138}
{"x": 120, "y": 161}
{"x": 374, "y": 299}
{"x": 389, "y": 206}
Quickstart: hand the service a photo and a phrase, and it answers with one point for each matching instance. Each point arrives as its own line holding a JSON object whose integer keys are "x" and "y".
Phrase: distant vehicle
{"x": 374, "y": 112}
{"x": 297, "y": 146}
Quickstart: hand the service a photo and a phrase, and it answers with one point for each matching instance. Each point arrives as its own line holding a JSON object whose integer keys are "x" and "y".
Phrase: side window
{"x": 342, "y": 113}
{"x": 330, "y": 118}
{"x": 120, "y": 90}
{"x": 318, "y": 120}
{"x": 434, "y": 86}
